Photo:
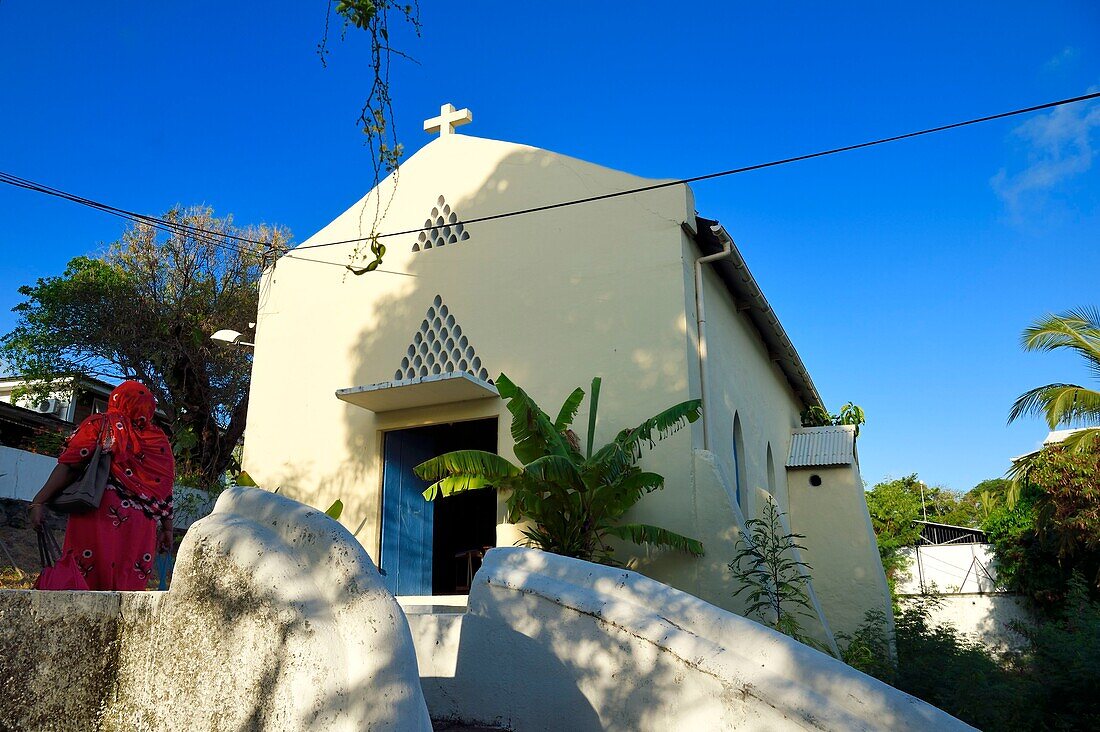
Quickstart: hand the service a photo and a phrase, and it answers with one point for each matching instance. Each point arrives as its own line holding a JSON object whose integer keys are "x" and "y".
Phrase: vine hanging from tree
{"x": 376, "y": 116}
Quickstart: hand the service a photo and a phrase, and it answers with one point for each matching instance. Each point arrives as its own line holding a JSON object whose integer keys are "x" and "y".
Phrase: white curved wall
{"x": 551, "y": 643}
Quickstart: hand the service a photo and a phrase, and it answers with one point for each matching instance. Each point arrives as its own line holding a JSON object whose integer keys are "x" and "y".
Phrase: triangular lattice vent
{"x": 440, "y": 347}
{"x": 448, "y": 229}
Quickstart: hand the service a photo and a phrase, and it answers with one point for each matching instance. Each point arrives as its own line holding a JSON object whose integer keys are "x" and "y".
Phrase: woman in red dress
{"x": 114, "y": 546}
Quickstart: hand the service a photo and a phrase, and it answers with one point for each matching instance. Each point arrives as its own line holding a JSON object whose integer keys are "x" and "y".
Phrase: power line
{"x": 158, "y": 223}
{"x": 170, "y": 226}
{"x": 166, "y": 225}
{"x": 121, "y": 212}
{"x": 720, "y": 174}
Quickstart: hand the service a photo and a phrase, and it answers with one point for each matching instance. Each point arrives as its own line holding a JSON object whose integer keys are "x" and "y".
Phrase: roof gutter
{"x": 701, "y": 319}
{"x": 713, "y": 240}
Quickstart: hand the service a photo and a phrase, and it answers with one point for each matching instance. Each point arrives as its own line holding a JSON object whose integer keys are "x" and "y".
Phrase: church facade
{"x": 358, "y": 378}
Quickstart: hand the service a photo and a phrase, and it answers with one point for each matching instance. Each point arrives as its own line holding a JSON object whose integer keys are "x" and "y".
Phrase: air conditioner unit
{"x": 48, "y": 406}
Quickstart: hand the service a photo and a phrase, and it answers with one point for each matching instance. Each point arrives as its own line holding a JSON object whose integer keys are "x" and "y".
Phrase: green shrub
{"x": 958, "y": 675}
{"x": 1063, "y": 661}
{"x": 868, "y": 649}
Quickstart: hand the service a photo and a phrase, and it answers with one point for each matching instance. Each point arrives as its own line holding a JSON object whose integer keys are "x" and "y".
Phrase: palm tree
{"x": 573, "y": 502}
{"x": 1063, "y": 405}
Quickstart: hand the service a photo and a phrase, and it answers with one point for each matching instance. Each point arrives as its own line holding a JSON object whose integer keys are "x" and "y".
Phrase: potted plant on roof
{"x": 569, "y": 502}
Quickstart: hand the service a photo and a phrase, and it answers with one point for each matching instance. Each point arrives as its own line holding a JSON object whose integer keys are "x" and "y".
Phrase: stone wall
{"x": 58, "y": 653}
{"x": 22, "y": 473}
{"x": 276, "y": 620}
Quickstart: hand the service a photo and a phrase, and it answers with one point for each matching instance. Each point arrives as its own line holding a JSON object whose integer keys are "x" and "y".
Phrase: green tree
{"x": 1062, "y": 661}
{"x": 1053, "y": 529}
{"x": 573, "y": 501}
{"x": 895, "y": 506}
{"x": 988, "y": 495}
{"x": 145, "y": 309}
{"x": 818, "y": 416}
{"x": 1064, "y": 405}
{"x": 1026, "y": 563}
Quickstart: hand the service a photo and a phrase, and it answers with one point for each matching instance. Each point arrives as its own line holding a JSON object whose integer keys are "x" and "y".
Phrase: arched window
{"x": 739, "y": 482}
{"x": 771, "y": 472}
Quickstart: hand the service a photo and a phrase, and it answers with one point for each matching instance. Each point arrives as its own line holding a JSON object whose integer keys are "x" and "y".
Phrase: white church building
{"x": 356, "y": 379}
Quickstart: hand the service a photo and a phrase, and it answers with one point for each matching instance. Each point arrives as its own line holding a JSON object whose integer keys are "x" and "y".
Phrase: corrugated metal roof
{"x": 822, "y": 446}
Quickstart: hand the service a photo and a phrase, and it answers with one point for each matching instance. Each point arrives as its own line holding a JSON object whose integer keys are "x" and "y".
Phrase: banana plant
{"x": 573, "y": 502}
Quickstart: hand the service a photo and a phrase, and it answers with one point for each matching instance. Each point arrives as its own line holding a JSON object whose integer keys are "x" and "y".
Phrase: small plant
{"x": 868, "y": 649}
{"x": 776, "y": 584}
{"x": 817, "y": 416}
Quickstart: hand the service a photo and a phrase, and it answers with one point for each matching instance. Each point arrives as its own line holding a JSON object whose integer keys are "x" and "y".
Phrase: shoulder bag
{"x": 85, "y": 493}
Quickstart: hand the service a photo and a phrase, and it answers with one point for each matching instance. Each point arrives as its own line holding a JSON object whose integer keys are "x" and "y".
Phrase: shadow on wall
{"x": 553, "y": 643}
{"x": 276, "y": 620}
{"x": 504, "y": 280}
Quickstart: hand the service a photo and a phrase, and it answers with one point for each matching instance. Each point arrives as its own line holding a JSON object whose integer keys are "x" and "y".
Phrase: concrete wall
{"x": 840, "y": 544}
{"x": 23, "y": 473}
{"x": 948, "y": 568}
{"x": 550, "y": 643}
{"x": 276, "y": 620}
{"x": 959, "y": 581}
{"x": 189, "y": 505}
{"x": 987, "y": 619}
{"x": 743, "y": 381}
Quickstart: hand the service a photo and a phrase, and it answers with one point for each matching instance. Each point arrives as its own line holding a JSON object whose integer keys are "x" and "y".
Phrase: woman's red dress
{"x": 115, "y": 545}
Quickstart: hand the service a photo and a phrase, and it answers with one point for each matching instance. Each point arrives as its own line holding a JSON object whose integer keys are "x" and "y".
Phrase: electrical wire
{"x": 171, "y": 226}
{"x": 166, "y": 225}
{"x": 723, "y": 173}
{"x": 161, "y": 224}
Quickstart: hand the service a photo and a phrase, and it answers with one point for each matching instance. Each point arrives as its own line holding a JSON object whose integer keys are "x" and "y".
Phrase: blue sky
{"x": 903, "y": 274}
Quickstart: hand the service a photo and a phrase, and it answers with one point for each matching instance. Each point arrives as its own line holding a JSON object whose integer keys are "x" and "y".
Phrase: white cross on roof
{"x": 447, "y": 120}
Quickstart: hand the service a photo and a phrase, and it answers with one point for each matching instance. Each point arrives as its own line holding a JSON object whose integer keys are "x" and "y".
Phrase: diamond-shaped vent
{"x": 447, "y": 229}
{"x": 440, "y": 347}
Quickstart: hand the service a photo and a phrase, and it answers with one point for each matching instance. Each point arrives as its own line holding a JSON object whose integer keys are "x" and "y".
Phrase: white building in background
{"x": 85, "y": 396}
{"x": 358, "y": 379}
{"x": 955, "y": 565}
{"x": 27, "y": 421}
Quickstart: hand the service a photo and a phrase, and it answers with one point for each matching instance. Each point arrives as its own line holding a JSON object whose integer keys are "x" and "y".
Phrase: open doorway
{"x": 433, "y": 548}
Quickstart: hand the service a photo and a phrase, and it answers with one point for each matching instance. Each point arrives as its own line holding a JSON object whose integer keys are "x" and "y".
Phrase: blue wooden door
{"x": 406, "y": 555}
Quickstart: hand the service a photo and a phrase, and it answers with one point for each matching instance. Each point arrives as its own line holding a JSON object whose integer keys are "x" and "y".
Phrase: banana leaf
{"x": 656, "y": 536}
{"x": 467, "y": 462}
{"x": 532, "y": 430}
{"x": 568, "y": 410}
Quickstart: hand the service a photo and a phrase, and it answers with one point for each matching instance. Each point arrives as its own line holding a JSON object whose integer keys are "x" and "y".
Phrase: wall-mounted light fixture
{"x": 231, "y": 337}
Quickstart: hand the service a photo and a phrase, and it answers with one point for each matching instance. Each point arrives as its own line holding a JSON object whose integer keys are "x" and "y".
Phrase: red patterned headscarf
{"x": 141, "y": 457}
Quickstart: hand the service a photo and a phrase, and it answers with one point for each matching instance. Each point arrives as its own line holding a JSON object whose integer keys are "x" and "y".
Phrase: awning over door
{"x": 422, "y": 391}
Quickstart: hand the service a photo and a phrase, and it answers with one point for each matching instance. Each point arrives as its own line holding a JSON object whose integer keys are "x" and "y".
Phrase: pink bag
{"x": 59, "y": 572}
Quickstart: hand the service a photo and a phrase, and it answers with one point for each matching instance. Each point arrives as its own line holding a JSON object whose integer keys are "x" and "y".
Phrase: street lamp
{"x": 231, "y": 337}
